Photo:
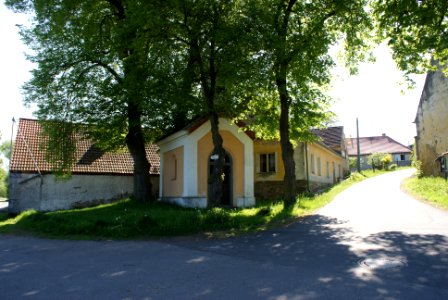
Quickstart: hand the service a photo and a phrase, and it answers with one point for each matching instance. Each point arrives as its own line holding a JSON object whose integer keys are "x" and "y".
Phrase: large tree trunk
{"x": 281, "y": 67}
{"x": 134, "y": 139}
{"x": 289, "y": 181}
{"x": 216, "y": 178}
{"x": 136, "y": 145}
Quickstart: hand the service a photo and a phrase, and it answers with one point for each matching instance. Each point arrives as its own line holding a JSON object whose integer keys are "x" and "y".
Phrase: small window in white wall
{"x": 319, "y": 167}
{"x": 328, "y": 169}
{"x": 267, "y": 163}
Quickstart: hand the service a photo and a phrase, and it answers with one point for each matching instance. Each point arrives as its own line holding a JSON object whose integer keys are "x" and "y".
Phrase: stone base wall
{"x": 273, "y": 190}
{"x": 47, "y": 193}
{"x": 201, "y": 202}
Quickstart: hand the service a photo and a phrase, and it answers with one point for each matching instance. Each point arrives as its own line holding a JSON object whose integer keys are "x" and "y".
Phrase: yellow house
{"x": 318, "y": 165}
{"x": 253, "y": 169}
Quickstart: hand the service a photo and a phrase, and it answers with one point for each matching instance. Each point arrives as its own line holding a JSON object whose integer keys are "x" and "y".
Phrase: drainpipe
{"x": 10, "y": 144}
{"x": 306, "y": 168}
{"x": 358, "y": 164}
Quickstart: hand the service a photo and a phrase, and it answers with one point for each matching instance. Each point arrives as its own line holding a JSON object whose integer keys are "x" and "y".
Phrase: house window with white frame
{"x": 267, "y": 163}
{"x": 328, "y": 169}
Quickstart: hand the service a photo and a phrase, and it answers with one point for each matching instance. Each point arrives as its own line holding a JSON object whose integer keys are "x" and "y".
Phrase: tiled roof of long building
{"x": 372, "y": 144}
{"x": 29, "y": 154}
{"x": 332, "y": 137}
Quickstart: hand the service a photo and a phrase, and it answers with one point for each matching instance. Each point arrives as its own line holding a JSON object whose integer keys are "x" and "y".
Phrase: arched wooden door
{"x": 226, "y": 198}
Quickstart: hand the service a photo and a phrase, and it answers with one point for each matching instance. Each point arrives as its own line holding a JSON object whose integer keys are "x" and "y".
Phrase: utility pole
{"x": 10, "y": 145}
{"x": 358, "y": 164}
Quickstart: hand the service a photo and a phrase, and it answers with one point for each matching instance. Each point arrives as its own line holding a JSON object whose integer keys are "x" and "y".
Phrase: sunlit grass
{"x": 129, "y": 219}
{"x": 431, "y": 189}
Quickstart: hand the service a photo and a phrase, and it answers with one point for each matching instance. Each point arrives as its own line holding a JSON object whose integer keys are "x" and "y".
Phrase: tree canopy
{"x": 295, "y": 38}
{"x": 135, "y": 69}
{"x": 102, "y": 63}
{"x": 416, "y": 31}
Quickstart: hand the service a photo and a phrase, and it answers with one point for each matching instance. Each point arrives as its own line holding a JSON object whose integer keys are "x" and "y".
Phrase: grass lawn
{"x": 430, "y": 189}
{"x": 128, "y": 219}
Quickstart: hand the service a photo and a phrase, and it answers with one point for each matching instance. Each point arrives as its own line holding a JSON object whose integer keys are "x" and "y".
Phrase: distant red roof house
{"x": 372, "y": 144}
{"x": 401, "y": 154}
{"x": 29, "y": 155}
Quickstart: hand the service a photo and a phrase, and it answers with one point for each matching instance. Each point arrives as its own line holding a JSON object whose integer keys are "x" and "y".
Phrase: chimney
{"x": 383, "y": 134}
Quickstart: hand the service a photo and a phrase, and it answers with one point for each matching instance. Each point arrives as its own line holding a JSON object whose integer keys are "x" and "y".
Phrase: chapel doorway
{"x": 226, "y": 198}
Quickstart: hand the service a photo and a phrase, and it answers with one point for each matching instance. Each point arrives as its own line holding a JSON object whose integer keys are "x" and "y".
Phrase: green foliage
{"x": 3, "y": 183}
{"x": 59, "y": 142}
{"x": 387, "y": 159}
{"x": 124, "y": 65}
{"x": 432, "y": 189}
{"x": 4, "y": 217}
{"x": 294, "y": 38}
{"x": 415, "y": 30}
{"x": 392, "y": 167}
{"x": 353, "y": 162}
{"x": 356, "y": 177}
{"x": 379, "y": 160}
{"x": 416, "y": 164}
{"x": 104, "y": 63}
{"x": 5, "y": 149}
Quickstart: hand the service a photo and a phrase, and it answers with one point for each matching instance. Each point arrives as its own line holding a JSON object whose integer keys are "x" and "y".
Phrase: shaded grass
{"x": 430, "y": 189}
{"x": 129, "y": 219}
{"x": 3, "y": 217}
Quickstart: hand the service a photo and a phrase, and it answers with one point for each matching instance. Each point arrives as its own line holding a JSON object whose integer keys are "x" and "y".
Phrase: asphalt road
{"x": 372, "y": 242}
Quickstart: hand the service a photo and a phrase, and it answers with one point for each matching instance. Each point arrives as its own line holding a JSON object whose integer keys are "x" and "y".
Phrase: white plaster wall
{"x": 225, "y": 124}
{"x": 179, "y": 139}
{"x": 190, "y": 144}
{"x": 46, "y": 193}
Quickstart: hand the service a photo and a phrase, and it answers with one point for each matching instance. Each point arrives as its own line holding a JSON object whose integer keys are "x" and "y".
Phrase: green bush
{"x": 379, "y": 160}
{"x": 353, "y": 161}
{"x": 418, "y": 167}
{"x": 3, "y": 183}
{"x": 356, "y": 177}
{"x": 392, "y": 167}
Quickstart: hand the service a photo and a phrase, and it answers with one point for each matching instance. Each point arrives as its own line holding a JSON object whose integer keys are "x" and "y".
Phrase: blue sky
{"x": 375, "y": 95}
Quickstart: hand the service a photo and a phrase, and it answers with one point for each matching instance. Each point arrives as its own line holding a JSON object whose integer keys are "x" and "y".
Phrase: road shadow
{"x": 327, "y": 264}
{"x": 315, "y": 258}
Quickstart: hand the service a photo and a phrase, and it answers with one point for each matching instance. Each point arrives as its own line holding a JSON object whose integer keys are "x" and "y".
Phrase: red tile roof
{"x": 369, "y": 145}
{"x": 29, "y": 155}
